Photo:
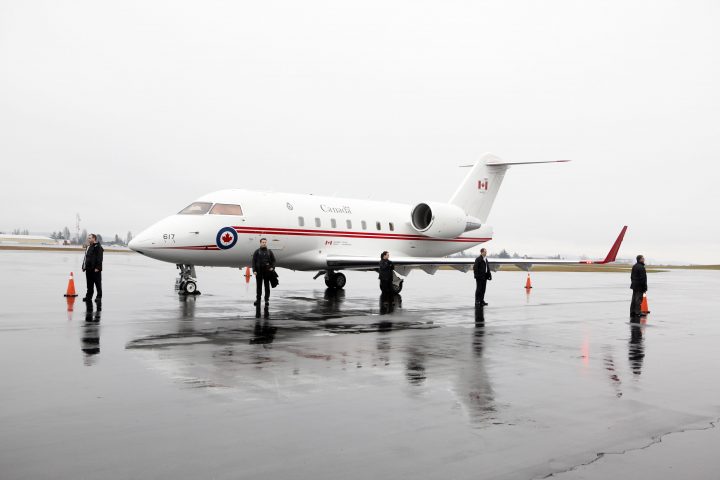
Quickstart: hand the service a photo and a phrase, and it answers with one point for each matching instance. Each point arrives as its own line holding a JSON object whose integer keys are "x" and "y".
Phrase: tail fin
{"x": 476, "y": 194}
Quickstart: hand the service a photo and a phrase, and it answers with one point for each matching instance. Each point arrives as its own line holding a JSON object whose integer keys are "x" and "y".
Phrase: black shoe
{"x": 255, "y": 303}
{"x": 84, "y": 299}
{"x": 484, "y": 304}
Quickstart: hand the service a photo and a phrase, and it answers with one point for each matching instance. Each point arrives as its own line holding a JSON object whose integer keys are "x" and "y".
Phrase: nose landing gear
{"x": 186, "y": 283}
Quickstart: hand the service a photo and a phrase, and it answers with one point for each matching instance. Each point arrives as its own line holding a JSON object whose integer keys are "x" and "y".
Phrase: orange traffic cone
{"x": 644, "y": 305}
{"x": 71, "y": 287}
{"x": 70, "y": 303}
{"x": 528, "y": 283}
{"x": 247, "y": 275}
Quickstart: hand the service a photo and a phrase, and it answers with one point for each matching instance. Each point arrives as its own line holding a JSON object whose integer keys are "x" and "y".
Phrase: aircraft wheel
{"x": 336, "y": 280}
{"x": 398, "y": 288}
{"x": 339, "y": 280}
{"x": 190, "y": 287}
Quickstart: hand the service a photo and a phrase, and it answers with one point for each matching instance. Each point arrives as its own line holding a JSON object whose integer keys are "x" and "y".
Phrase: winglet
{"x": 612, "y": 254}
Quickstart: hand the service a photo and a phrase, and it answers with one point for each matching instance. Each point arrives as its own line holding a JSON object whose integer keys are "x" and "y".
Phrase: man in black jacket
{"x": 482, "y": 273}
{"x": 263, "y": 262}
{"x": 92, "y": 266}
{"x": 638, "y": 284}
{"x": 386, "y": 270}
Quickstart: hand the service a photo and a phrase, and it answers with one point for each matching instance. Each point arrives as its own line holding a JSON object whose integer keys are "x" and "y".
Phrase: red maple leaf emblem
{"x": 226, "y": 238}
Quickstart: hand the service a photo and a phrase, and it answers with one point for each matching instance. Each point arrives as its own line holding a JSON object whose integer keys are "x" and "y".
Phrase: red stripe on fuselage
{"x": 191, "y": 247}
{"x": 336, "y": 233}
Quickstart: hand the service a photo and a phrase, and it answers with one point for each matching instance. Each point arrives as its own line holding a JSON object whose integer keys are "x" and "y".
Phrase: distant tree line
{"x": 505, "y": 254}
{"x": 64, "y": 236}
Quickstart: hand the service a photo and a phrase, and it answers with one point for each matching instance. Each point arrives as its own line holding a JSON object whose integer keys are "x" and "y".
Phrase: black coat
{"x": 93, "y": 257}
{"x": 386, "y": 271}
{"x": 481, "y": 270}
{"x": 638, "y": 278}
{"x": 263, "y": 260}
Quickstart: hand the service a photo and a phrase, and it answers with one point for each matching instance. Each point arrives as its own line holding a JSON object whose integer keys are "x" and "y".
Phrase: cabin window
{"x": 317, "y": 222}
{"x": 196, "y": 208}
{"x": 363, "y": 224}
{"x": 226, "y": 209}
{"x": 333, "y": 223}
{"x": 378, "y": 226}
{"x": 301, "y": 221}
{"x": 349, "y": 224}
{"x": 392, "y": 226}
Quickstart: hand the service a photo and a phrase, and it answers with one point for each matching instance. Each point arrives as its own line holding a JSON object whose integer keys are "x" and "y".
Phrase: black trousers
{"x": 94, "y": 281}
{"x": 386, "y": 290}
{"x": 262, "y": 279}
{"x": 480, "y": 285}
{"x": 636, "y": 301}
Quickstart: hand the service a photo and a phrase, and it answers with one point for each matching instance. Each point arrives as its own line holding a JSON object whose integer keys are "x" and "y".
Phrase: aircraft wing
{"x": 431, "y": 264}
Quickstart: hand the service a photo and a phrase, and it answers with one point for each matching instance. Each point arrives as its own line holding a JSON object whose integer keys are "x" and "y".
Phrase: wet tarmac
{"x": 325, "y": 385}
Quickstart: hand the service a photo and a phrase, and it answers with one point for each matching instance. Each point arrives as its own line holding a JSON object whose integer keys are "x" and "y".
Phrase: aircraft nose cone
{"x": 140, "y": 242}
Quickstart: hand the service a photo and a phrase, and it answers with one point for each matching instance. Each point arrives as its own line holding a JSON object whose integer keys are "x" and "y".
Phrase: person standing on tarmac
{"x": 387, "y": 269}
{"x": 92, "y": 266}
{"x": 638, "y": 284}
{"x": 481, "y": 270}
{"x": 263, "y": 262}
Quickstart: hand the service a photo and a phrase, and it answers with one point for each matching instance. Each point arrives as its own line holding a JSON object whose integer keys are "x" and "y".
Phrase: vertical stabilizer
{"x": 478, "y": 190}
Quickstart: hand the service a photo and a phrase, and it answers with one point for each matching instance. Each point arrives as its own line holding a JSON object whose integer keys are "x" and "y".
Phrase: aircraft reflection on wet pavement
{"x": 224, "y": 350}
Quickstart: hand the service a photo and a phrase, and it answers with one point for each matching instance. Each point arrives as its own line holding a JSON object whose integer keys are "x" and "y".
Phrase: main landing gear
{"x": 338, "y": 280}
{"x": 332, "y": 279}
{"x": 186, "y": 283}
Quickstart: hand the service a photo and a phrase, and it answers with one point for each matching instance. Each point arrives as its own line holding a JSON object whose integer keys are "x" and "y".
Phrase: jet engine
{"x": 441, "y": 220}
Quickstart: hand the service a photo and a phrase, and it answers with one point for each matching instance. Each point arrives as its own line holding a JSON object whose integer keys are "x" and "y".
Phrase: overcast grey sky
{"x": 127, "y": 111}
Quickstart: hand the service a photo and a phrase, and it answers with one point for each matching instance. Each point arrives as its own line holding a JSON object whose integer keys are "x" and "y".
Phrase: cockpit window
{"x": 226, "y": 209}
{"x": 196, "y": 208}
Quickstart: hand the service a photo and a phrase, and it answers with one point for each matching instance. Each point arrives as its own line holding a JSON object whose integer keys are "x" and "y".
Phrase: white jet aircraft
{"x": 328, "y": 234}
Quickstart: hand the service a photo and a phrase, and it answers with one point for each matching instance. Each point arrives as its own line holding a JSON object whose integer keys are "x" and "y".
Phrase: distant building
{"x": 7, "y": 239}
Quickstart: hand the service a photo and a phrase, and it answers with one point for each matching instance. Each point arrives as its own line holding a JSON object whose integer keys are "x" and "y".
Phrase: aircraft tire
{"x": 339, "y": 280}
{"x": 336, "y": 280}
{"x": 190, "y": 288}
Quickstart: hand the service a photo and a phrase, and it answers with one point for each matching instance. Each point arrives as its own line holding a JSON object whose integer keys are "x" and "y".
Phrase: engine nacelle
{"x": 439, "y": 220}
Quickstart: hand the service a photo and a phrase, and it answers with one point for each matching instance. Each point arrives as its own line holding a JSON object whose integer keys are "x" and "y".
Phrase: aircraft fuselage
{"x": 302, "y": 231}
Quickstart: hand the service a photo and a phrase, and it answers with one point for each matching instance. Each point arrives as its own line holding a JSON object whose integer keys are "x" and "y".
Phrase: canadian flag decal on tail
{"x": 483, "y": 184}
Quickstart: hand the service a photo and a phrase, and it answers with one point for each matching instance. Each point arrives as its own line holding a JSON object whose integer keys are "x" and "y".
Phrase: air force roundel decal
{"x": 226, "y": 238}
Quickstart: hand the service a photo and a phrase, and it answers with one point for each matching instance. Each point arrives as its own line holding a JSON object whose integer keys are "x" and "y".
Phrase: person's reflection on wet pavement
{"x": 474, "y": 386}
{"x": 263, "y": 332}
{"x": 389, "y": 306}
{"x": 90, "y": 334}
{"x": 415, "y": 365}
{"x": 636, "y": 348}
{"x": 479, "y": 316}
{"x": 479, "y": 336}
